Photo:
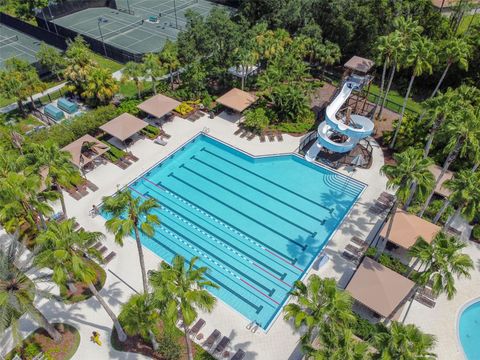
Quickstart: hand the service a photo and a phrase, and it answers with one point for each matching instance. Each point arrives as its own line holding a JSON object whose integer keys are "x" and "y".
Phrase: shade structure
{"x": 94, "y": 149}
{"x": 359, "y": 64}
{"x": 378, "y": 288}
{"x": 407, "y": 228}
{"x": 124, "y": 126}
{"x": 440, "y": 189}
{"x": 237, "y": 99}
{"x": 158, "y": 105}
{"x": 451, "y": 3}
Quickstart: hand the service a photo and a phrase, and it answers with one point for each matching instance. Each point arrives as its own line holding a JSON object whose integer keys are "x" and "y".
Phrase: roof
{"x": 75, "y": 149}
{"x": 378, "y": 288}
{"x": 449, "y": 3}
{"x": 237, "y": 99}
{"x": 407, "y": 228}
{"x": 359, "y": 64}
{"x": 440, "y": 189}
{"x": 124, "y": 126}
{"x": 158, "y": 105}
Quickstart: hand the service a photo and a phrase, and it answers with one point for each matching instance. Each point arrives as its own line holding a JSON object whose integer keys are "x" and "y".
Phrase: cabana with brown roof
{"x": 407, "y": 228}
{"x": 158, "y": 105}
{"x": 440, "y": 189}
{"x": 237, "y": 100}
{"x": 359, "y": 64}
{"x": 378, "y": 288}
{"x": 124, "y": 126}
{"x": 83, "y": 154}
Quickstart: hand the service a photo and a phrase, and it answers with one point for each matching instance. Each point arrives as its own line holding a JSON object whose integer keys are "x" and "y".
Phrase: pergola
{"x": 237, "y": 100}
{"x": 124, "y": 126}
{"x": 440, "y": 189}
{"x": 158, "y": 105}
{"x": 379, "y": 288}
{"x": 407, "y": 228}
{"x": 81, "y": 156}
{"x": 359, "y": 64}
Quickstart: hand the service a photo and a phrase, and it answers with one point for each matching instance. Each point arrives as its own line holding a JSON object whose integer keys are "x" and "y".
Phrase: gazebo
{"x": 358, "y": 64}
{"x": 237, "y": 100}
{"x": 407, "y": 228}
{"x": 85, "y": 150}
{"x": 124, "y": 126}
{"x": 378, "y": 288}
{"x": 158, "y": 105}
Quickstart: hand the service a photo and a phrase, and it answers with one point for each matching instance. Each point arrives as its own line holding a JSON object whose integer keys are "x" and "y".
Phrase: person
{"x": 96, "y": 338}
{"x": 94, "y": 211}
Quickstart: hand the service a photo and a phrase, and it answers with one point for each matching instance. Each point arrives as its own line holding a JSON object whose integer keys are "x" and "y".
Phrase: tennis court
{"x": 131, "y": 31}
{"x": 14, "y": 43}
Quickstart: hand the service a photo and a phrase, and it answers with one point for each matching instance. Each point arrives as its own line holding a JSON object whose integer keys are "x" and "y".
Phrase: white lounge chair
{"x": 159, "y": 140}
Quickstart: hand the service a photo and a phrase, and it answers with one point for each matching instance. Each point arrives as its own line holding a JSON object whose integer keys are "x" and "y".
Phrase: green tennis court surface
{"x": 132, "y": 31}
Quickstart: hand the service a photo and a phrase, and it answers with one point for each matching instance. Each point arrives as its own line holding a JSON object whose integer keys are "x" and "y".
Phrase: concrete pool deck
{"x": 123, "y": 272}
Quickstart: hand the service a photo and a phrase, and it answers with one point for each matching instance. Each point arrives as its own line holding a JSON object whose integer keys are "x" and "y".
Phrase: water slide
{"x": 339, "y": 134}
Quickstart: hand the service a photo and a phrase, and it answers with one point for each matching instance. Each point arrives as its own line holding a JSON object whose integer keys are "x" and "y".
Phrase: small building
{"x": 124, "y": 126}
{"x": 359, "y": 65}
{"x": 158, "y": 105}
{"x": 237, "y": 100}
{"x": 379, "y": 289}
{"x": 85, "y": 150}
{"x": 440, "y": 189}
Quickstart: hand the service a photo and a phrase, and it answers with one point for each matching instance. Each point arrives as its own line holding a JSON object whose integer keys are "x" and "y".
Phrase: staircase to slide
{"x": 341, "y": 133}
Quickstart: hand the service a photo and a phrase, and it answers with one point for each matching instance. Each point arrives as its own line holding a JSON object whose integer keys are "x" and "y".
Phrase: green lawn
{"x": 107, "y": 63}
{"x": 129, "y": 90}
{"x": 395, "y": 100}
{"x": 466, "y": 21}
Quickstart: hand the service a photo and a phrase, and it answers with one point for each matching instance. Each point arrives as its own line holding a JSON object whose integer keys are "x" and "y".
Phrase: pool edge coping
{"x": 459, "y": 313}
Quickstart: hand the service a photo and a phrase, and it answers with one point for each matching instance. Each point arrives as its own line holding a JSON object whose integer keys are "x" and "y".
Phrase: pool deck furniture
{"x": 250, "y": 136}
{"x": 239, "y": 355}
{"x": 238, "y": 131}
{"x": 279, "y": 136}
{"x": 80, "y": 157}
{"x": 197, "y": 327}
{"x": 270, "y": 135}
{"x": 350, "y": 257}
{"x": 109, "y": 257}
{"x": 212, "y": 338}
{"x": 159, "y": 140}
{"x": 121, "y": 164}
{"x": 222, "y": 345}
{"x": 124, "y": 126}
{"x": 132, "y": 157}
{"x": 102, "y": 250}
{"x": 91, "y": 185}
{"x": 358, "y": 241}
{"x": 262, "y": 138}
{"x": 82, "y": 190}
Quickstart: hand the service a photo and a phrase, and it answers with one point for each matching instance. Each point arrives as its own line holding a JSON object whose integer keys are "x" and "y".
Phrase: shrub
{"x": 302, "y": 126}
{"x": 410, "y": 134}
{"x": 183, "y": 109}
{"x": 371, "y": 252}
{"x": 169, "y": 348}
{"x": 256, "y": 119}
{"x": 476, "y": 232}
{"x": 435, "y": 207}
{"x": 129, "y": 106}
{"x": 392, "y": 263}
{"x": 31, "y": 350}
{"x": 151, "y": 131}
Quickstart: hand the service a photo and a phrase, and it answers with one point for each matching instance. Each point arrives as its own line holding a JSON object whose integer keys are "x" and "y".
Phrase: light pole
{"x": 100, "y": 19}
{"x": 51, "y": 16}
{"x": 128, "y": 7}
{"x": 175, "y": 10}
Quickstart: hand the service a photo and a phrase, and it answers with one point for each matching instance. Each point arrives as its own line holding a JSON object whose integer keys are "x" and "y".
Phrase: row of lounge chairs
{"x": 80, "y": 191}
{"x": 126, "y": 161}
{"x": 425, "y": 296}
{"x": 249, "y": 135}
{"x": 212, "y": 339}
{"x": 194, "y": 116}
{"x": 102, "y": 249}
{"x": 354, "y": 252}
{"x": 383, "y": 203}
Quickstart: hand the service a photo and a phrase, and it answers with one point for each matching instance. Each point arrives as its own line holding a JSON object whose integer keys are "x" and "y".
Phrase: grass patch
{"x": 83, "y": 292}
{"x": 106, "y": 63}
{"x": 474, "y": 19}
{"x": 16, "y": 122}
{"x": 39, "y": 341}
{"x": 129, "y": 90}
{"x": 395, "y": 100}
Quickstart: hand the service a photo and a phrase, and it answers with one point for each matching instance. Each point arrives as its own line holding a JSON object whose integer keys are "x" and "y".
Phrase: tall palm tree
{"x": 409, "y": 174}
{"x": 169, "y": 58}
{"x": 405, "y": 342}
{"x": 443, "y": 261}
{"x": 463, "y": 133}
{"x": 56, "y": 164}
{"x": 319, "y": 304}
{"x": 154, "y": 68}
{"x": 245, "y": 58}
{"x": 63, "y": 249}
{"x": 421, "y": 56}
{"x": 184, "y": 288}
{"x": 465, "y": 196}
{"x": 17, "y": 291}
{"x": 100, "y": 86}
{"x": 129, "y": 215}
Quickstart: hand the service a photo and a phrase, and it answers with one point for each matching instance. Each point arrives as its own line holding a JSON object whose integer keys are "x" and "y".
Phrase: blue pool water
{"x": 256, "y": 223}
{"x": 469, "y": 331}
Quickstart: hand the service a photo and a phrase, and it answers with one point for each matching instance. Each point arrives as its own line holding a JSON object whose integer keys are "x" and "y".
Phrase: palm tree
{"x": 183, "y": 287}
{"x": 465, "y": 196}
{"x": 169, "y": 58}
{"x": 443, "y": 261}
{"x": 245, "y": 58}
{"x": 56, "y": 165}
{"x": 63, "y": 249}
{"x": 134, "y": 71}
{"x": 100, "y": 86}
{"x": 405, "y": 342}
{"x": 139, "y": 316}
{"x": 154, "y": 68}
{"x": 80, "y": 64}
{"x": 463, "y": 133}
{"x": 131, "y": 215}
{"x": 341, "y": 346}
{"x": 17, "y": 291}
{"x": 319, "y": 305}
{"x": 410, "y": 174}
{"x": 421, "y": 55}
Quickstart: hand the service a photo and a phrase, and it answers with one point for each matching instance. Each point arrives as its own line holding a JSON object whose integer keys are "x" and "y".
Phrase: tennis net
{"x": 9, "y": 40}
{"x": 179, "y": 7}
{"x": 122, "y": 30}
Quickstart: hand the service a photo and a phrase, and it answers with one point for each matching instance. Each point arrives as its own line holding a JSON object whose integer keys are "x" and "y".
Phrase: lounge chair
{"x": 222, "y": 345}
{"x": 271, "y": 136}
{"x": 91, "y": 185}
{"x": 212, "y": 338}
{"x": 250, "y": 136}
{"x": 350, "y": 257}
{"x": 122, "y": 165}
{"x": 82, "y": 189}
{"x": 279, "y": 136}
{"x": 109, "y": 257}
{"x": 425, "y": 301}
{"x": 132, "y": 157}
{"x": 388, "y": 196}
{"x": 102, "y": 249}
{"x": 358, "y": 241}
{"x": 126, "y": 160}
{"x": 355, "y": 250}
{"x": 244, "y": 133}
{"x": 74, "y": 194}
{"x": 159, "y": 140}
{"x": 262, "y": 138}
{"x": 238, "y": 131}
{"x": 239, "y": 355}
{"x": 164, "y": 134}
{"x": 196, "y": 328}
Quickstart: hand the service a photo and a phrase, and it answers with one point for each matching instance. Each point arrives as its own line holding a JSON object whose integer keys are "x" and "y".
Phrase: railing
{"x": 306, "y": 139}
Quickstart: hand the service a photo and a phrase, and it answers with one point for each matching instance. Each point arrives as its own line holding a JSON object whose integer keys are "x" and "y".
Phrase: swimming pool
{"x": 469, "y": 331}
{"x": 256, "y": 223}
